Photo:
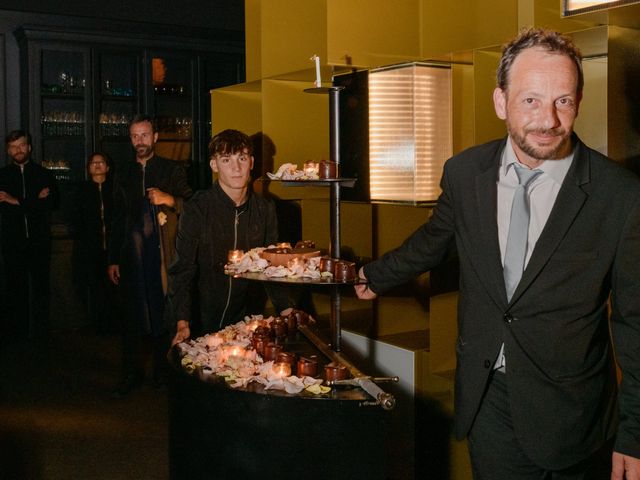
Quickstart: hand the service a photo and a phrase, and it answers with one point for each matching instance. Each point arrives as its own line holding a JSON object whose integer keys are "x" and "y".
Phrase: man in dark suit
{"x": 28, "y": 194}
{"x": 536, "y": 391}
{"x": 148, "y": 196}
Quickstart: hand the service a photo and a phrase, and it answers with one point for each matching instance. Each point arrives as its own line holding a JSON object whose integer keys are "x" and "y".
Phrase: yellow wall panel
{"x": 395, "y": 223}
{"x": 466, "y": 24}
{"x": 355, "y": 226}
{"x": 487, "y": 125}
{"x": 372, "y": 32}
{"x": 253, "y": 39}
{"x": 401, "y": 314}
{"x": 463, "y": 107}
{"x": 297, "y": 123}
{"x": 235, "y": 109}
{"x": 292, "y": 32}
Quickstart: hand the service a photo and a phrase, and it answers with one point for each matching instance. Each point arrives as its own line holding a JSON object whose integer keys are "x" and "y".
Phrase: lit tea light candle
{"x": 283, "y": 245}
{"x": 295, "y": 263}
{"x": 235, "y": 256}
{"x": 235, "y": 351}
{"x": 282, "y": 369}
{"x": 311, "y": 169}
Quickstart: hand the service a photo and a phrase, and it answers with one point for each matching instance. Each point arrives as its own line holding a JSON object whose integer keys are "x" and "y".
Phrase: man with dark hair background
{"x": 148, "y": 197}
{"x": 28, "y": 194}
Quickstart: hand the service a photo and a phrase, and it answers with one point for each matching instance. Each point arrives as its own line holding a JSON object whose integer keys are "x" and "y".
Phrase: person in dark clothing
{"x": 227, "y": 216}
{"x": 28, "y": 193}
{"x": 547, "y": 235}
{"x": 148, "y": 196}
{"x": 92, "y": 209}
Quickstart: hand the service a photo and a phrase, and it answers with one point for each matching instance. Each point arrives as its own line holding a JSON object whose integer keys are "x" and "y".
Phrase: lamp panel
{"x": 410, "y": 132}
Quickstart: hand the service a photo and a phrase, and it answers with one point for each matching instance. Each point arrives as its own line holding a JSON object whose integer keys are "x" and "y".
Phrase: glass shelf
{"x": 119, "y": 98}
{"x": 344, "y": 182}
{"x": 261, "y": 277}
{"x": 62, "y": 96}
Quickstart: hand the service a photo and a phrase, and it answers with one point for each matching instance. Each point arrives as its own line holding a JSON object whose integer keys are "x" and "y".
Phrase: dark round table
{"x": 217, "y": 432}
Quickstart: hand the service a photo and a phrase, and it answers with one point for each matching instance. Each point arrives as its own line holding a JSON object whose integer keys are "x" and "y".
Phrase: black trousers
{"x": 27, "y": 287}
{"x": 496, "y": 453}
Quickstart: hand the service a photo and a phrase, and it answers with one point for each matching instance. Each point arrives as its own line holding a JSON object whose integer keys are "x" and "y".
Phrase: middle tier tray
{"x": 297, "y": 280}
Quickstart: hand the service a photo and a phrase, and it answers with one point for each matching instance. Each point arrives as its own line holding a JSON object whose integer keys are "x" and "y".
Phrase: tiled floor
{"x": 57, "y": 420}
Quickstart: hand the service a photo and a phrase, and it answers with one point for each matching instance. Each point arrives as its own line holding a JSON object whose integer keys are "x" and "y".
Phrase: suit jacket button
{"x": 508, "y": 318}
{"x": 487, "y": 363}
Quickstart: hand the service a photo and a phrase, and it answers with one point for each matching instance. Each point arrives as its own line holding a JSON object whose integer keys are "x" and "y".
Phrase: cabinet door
{"x": 216, "y": 71}
{"x": 172, "y": 104}
{"x": 59, "y": 110}
{"x": 117, "y": 77}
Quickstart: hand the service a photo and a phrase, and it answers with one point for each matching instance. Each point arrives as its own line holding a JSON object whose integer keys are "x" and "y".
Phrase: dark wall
{"x": 217, "y": 21}
{"x": 215, "y": 14}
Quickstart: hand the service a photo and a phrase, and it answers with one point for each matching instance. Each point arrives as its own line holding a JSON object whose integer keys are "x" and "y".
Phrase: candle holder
{"x": 335, "y": 371}
{"x": 344, "y": 271}
{"x": 234, "y": 351}
{"x": 287, "y": 357}
{"x": 258, "y": 344}
{"x": 311, "y": 169}
{"x": 292, "y": 322}
{"x": 327, "y": 264}
{"x": 307, "y": 367}
{"x": 281, "y": 369}
{"x": 328, "y": 169}
{"x": 262, "y": 331}
{"x": 234, "y": 256}
{"x": 271, "y": 351}
{"x": 279, "y": 327}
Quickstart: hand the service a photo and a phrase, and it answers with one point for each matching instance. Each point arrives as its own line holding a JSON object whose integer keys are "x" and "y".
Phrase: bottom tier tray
{"x": 223, "y": 433}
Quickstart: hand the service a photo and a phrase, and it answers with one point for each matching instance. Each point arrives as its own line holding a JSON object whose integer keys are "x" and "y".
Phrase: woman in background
{"x": 91, "y": 222}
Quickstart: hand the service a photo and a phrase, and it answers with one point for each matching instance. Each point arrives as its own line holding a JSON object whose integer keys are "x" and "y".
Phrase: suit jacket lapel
{"x": 568, "y": 204}
{"x": 488, "y": 263}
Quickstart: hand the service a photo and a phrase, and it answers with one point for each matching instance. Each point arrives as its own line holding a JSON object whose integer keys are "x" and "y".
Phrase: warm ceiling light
{"x": 574, "y": 7}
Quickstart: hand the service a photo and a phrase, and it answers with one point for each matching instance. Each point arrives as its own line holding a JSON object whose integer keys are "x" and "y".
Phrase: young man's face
{"x": 143, "y": 139}
{"x": 19, "y": 150}
{"x": 233, "y": 169}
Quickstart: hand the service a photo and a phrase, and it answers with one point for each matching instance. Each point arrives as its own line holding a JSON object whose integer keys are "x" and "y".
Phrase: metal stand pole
{"x": 334, "y": 205}
{"x": 334, "y": 208}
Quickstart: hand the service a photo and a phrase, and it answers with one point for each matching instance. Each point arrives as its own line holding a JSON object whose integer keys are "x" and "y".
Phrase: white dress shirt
{"x": 542, "y": 194}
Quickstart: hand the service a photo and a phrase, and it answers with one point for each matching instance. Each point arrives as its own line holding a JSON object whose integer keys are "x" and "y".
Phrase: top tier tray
{"x": 344, "y": 182}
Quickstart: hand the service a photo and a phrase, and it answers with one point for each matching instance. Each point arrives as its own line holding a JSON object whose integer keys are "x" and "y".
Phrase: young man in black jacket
{"x": 228, "y": 216}
{"x": 28, "y": 193}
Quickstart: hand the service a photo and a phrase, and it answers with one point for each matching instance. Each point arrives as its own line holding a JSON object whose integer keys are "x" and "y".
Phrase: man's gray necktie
{"x": 518, "y": 230}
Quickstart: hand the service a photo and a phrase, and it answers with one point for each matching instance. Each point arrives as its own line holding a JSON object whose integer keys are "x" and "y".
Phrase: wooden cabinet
{"x": 81, "y": 89}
